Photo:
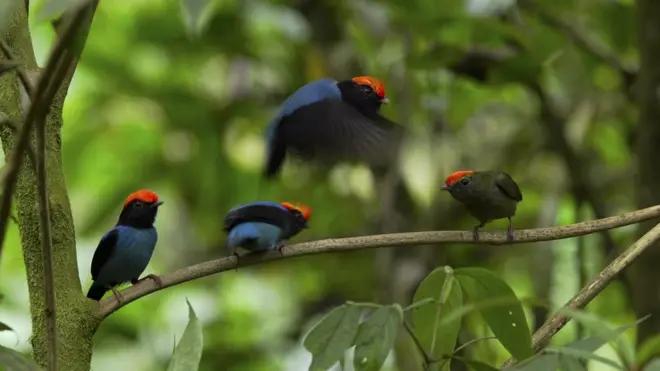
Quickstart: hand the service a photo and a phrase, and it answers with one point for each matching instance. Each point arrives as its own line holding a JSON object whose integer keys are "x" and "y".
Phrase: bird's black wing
{"x": 508, "y": 186}
{"x": 335, "y": 130}
{"x": 104, "y": 251}
{"x": 274, "y": 215}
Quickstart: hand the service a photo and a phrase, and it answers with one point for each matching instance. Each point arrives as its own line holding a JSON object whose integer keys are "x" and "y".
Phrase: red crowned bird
{"x": 488, "y": 195}
{"x": 124, "y": 251}
{"x": 333, "y": 121}
{"x": 264, "y": 225}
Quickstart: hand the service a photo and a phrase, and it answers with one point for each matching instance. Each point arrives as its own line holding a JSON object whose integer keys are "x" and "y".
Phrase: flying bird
{"x": 264, "y": 225}
{"x": 487, "y": 195}
{"x": 333, "y": 121}
{"x": 124, "y": 251}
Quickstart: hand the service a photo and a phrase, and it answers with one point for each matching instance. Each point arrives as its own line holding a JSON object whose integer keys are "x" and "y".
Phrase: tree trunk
{"x": 644, "y": 273}
{"x": 75, "y": 320}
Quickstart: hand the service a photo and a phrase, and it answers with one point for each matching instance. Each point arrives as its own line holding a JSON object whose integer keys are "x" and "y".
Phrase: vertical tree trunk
{"x": 644, "y": 273}
{"x": 75, "y": 321}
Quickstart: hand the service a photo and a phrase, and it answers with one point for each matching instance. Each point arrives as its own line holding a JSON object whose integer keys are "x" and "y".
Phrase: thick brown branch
{"x": 146, "y": 287}
{"x": 542, "y": 337}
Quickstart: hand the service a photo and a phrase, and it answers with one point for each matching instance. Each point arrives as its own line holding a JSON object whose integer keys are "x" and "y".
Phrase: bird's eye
{"x": 465, "y": 181}
{"x": 139, "y": 204}
{"x": 366, "y": 90}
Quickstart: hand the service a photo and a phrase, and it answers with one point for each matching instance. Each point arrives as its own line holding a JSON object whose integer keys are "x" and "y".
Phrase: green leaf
{"x": 188, "y": 352}
{"x": 654, "y": 365}
{"x": 436, "y": 333}
{"x": 540, "y": 362}
{"x": 475, "y": 365}
{"x": 375, "y": 338}
{"x": 507, "y": 321}
{"x": 335, "y": 333}
{"x": 648, "y": 349}
{"x": 12, "y": 360}
{"x": 196, "y": 14}
{"x": 583, "y": 354}
{"x": 604, "y": 333}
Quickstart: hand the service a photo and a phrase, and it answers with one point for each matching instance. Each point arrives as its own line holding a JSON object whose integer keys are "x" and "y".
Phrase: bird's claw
{"x": 238, "y": 258}
{"x": 280, "y": 246}
{"x": 475, "y": 233}
{"x": 152, "y": 277}
{"x": 117, "y": 294}
{"x": 509, "y": 233}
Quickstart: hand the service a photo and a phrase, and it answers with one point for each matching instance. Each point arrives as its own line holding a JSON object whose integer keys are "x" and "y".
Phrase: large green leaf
{"x": 375, "y": 338}
{"x": 429, "y": 323}
{"x": 507, "y": 321}
{"x": 11, "y": 360}
{"x": 188, "y": 352}
{"x": 648, "y": 349}
{"x": 330, "y": 338}
{"x": 50, "y": 9}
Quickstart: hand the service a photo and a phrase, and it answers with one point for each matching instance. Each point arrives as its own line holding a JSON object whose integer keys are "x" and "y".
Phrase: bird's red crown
{"x": 305, "y": 210}
{"x": 143, "y": 195}
{"x": 456, "y": 176}
{"x": 372, "y": 82}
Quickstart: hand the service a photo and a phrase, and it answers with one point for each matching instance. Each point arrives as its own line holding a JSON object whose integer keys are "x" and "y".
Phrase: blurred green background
{"x": 152, "y": 107}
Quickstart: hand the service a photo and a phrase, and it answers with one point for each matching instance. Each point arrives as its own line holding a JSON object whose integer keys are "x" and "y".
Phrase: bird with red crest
{"x": 124, "y": 252}
{"x": 332, "y": 121}
{"x": 487, "y": 195}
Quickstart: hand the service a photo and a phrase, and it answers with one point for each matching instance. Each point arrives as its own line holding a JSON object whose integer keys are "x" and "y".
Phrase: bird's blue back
{"x": 254, "y": 236}
{"x": 130, "y": 255}
{"x": 313, "y": 92}
{"x": 256, "y": 203}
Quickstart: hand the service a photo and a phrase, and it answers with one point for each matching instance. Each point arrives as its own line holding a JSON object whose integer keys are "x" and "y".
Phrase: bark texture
{"x": 645, "y": 274}
{"x": 75, "y": 321}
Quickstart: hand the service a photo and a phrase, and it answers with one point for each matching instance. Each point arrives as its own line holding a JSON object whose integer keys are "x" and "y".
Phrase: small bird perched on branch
{"x": 124, "y": 251}
{"x": 333, "y": 121}
{"x": 488, "y": 195}
{"x": 264, "y": 225}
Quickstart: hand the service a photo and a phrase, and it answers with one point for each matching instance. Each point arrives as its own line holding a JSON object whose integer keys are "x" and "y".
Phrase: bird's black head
{"x": 140, "y": 210}
{"x": 365, "y": 93}
{"x": 301, "y": 214}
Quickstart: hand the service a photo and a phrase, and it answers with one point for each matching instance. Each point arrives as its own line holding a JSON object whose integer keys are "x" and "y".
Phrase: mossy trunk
{"x": 75, "y": 321}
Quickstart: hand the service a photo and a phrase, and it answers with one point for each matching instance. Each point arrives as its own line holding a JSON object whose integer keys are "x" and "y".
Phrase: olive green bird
{"x": 488, "y": 195}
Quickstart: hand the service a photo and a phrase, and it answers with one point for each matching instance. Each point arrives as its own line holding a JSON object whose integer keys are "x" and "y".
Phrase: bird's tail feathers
{"x": 96, "y": 291}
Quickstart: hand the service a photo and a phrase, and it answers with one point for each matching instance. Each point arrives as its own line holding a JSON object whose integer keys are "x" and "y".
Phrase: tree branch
{"x": 542, "y": 337}
{"x": 146, "y": 287}
{"x": 582, "y": 40}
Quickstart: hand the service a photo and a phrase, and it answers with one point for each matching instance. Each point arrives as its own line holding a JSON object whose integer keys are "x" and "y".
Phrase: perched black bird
{"x": 332, "y": 121}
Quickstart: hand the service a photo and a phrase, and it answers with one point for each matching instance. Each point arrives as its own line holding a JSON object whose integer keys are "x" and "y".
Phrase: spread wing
{"x": 508, "y": 186}
{"x": 258, "y": 212}
{"x": 334, "y": 130}
{"x": 103, "y": 251}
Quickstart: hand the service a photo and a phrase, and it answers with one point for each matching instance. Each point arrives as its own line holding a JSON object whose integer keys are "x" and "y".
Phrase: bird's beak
{"x": 384, "y": 101}
{"x": 157, "y": 203}
{"x": 444, "y": 187}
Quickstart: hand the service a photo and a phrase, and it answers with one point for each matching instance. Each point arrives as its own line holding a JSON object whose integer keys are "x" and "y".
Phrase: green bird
{"x": 488, "y": 195}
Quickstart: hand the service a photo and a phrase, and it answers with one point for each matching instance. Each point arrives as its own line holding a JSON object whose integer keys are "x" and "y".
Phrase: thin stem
{"x": 542, "y": 337}
{"x": 364, "y": 305}
{"x": 144, "y": 288}
{"x": 427, "y": 358}
{"x": 472, "y": 342}
{"x": 418, "y": 304}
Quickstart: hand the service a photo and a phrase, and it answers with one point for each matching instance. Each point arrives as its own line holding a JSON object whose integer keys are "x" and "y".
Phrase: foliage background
{"x": 150, "y": 107}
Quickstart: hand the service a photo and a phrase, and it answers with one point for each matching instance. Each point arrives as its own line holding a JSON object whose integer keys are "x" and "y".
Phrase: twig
{"x": 39, "y": 108}
{"x": 146, "y": 287}
{"x": 587, "y": 43}
{"x": 25, "y": 80}
{"x": 542, "y": 337}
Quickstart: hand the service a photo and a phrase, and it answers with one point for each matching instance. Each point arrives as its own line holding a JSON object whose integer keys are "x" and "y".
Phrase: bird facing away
{"x": 488, "y": 195}
{"x": 264, "y": 225}
{"x": 124, "y": 251}
{"x": 333, "y": 121}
